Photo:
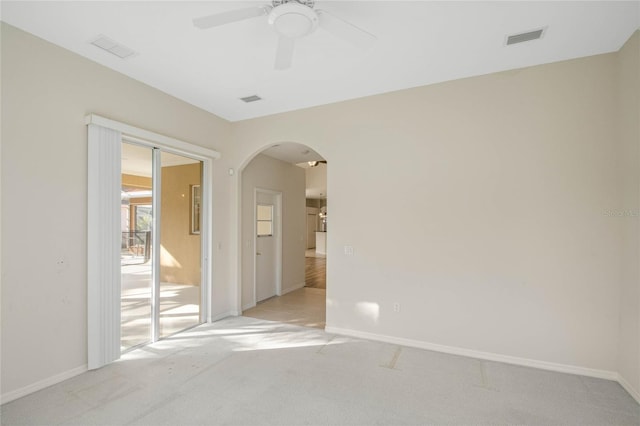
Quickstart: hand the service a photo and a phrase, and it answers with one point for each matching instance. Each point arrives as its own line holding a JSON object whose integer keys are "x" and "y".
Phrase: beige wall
{"x": 489, "y": 228}
{"x": 492, "y": 191}
{"x": 628, "y": 210}
{"x": 46, "y": 93}
{"x": 316, "y": 179}
{"x": 267, "y": 173}
{"x": 136, "y": 181}
{"x": 180, "y": 252}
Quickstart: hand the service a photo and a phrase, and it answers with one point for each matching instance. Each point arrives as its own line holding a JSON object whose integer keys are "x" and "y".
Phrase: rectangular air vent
{"x": 528, "y": 36}
{"x": 251, "y": 98}
{"x": 113, "y": 47}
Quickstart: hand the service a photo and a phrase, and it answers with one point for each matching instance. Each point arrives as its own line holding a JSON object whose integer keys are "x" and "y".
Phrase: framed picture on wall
{"x": 196, "y": 208}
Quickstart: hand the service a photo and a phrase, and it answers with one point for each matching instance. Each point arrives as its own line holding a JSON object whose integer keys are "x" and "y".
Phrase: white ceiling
{"x": 293, "y": 153}
{"x": 300, "y": 155}
{"x": 419, "y": 43}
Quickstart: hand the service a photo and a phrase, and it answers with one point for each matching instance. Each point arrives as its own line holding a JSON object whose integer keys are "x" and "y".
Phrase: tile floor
{"x": 305, "y": 307}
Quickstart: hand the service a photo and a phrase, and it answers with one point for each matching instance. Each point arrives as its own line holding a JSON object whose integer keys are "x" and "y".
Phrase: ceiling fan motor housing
{"x": 293, "y": 19}
{"x": 309, "y": 3}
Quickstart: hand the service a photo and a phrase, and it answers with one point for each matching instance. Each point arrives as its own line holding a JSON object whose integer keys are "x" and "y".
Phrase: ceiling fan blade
{"x": 230, "y": 16}
{"x": 284, "y": 52}
{"x": 345, "y": 30}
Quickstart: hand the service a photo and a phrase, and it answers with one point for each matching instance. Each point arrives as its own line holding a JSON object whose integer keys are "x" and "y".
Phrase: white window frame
{"x": 258, "y": 220}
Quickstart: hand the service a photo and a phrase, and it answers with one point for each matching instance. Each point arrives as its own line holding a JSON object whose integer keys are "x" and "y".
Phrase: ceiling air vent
{"x": 528, "y": 36}
{"x": 251, "y": 98}
{"x": 113, "y": 47}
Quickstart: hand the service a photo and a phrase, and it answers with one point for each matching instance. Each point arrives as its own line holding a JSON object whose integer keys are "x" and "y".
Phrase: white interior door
{"x": 267, "y": 245}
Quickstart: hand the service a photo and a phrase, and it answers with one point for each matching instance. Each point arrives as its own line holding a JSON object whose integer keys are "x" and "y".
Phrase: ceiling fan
{"x": 291, "y": 20}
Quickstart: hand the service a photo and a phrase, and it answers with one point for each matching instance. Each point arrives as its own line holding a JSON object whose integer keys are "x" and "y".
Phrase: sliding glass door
{"x": 180, "y": 245}
{"x": 161, "y": 271}
{"x": 136, "y": 260}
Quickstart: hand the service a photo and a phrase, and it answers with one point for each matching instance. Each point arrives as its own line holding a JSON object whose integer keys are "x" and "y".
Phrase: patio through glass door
{"x": 161, "y": 244}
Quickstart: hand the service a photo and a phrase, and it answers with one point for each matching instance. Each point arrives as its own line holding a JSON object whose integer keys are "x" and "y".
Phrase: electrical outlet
{"x": 396, "y": 307}
{"x": 61, "y": 264}
{"x": 348, "y": 250}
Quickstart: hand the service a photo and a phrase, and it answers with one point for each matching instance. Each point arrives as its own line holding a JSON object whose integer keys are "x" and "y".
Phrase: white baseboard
{"x": 562, "y": 368}
{"x": 635, "y": 394}
{"x": 34, "y": 387}
{"x": 294, "y": 288}
{"x": 282, "y": 293}
{"x": 249, "y": 306}
{"x": 223, "y": 315}
{"x": 544, "y": 365}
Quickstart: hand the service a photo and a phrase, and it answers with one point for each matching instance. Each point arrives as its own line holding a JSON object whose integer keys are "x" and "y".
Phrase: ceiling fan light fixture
{"x": 293, "y": 20}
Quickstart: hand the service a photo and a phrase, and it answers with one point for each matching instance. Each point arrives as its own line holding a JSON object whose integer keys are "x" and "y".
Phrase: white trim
{"x": 627, "y": 386}
{"x": 157, "y": 142}
{"x": 224, "y": 315}
{"x": 206, "y": 244}
{"x": 255, "y": 246}
{"x": 294, "y": 288}
{"x": 283, "y": 292}
{"x": 249, "y": 306}
{"x": 156, "y": 241}
{"x": 35, "y": 387}
{"x": 543, "y": 365}
{"x": 236, "y": 245}
{"x": 158, "y": 139}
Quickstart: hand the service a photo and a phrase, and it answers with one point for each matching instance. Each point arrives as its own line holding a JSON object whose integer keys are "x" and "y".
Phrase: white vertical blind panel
{"x": 104, "y": 240}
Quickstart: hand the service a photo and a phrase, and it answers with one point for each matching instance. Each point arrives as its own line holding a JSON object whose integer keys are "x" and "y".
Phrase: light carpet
{"x": 245, "y": 371}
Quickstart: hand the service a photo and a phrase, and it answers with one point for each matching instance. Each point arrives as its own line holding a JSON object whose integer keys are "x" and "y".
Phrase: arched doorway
{"x": 283, "y": 229}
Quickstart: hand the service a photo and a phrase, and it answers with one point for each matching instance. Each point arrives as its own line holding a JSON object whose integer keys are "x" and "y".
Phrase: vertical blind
{"x": 103, "y": 240}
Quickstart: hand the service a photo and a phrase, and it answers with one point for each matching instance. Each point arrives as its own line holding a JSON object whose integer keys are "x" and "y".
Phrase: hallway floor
{"x": 305, "y": 306}
{"x": 315, "y": 271}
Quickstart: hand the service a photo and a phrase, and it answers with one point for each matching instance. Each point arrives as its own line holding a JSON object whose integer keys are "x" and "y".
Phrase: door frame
{"x": 205, "y": 246}
{"x": 277, "y": 225}
{"x": 102, "y": 349}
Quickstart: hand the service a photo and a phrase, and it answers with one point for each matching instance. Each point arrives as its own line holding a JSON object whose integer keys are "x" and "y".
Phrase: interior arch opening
{"x": 284, "y": 228}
